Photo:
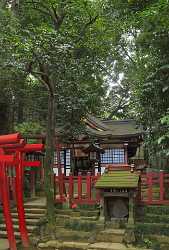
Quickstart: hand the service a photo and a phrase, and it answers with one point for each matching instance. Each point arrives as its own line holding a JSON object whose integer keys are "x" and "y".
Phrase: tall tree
{"x": 142, "y": 56}
{"x": 61, "y": 45}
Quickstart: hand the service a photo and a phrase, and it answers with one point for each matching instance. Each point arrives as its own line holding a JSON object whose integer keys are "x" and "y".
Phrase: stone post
{"x": 102, "y": 207}
{"x": 129, "y": 234}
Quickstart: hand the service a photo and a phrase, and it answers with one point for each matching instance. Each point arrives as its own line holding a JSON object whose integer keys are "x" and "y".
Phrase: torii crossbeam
{"x": 12, "y": 150}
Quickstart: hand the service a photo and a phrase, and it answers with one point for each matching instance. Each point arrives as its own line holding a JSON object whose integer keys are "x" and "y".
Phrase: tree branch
{"x": 82, "y": 33}
{"x": 127, "y": 54}
{"x": 51, "y": 12}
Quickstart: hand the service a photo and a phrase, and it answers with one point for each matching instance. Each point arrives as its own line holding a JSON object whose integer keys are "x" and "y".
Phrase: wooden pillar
{"x": 162, "y": 189}
{"x": 20, "y": 202}
{"x": 126, "y": 153}
{"x": 89, "y": 186}
{"x": 99, "y": 163}
{"x": 6, "y": 207}
{"x": 79, "y": 186}
{"x": 150, "y": 187}
{"x": 58, "y": 158}
{"x": 71, "y": 189}
{"x": 65, "y": 162}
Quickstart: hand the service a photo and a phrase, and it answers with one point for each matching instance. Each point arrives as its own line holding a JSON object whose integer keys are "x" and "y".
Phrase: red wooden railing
{"x": 155, "y": 188}
{"x": 76, "y": 189}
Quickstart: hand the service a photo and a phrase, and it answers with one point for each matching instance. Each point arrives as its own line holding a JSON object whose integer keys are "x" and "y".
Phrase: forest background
{"x": 109, "y": 58}
{"x": 63, "y": 59}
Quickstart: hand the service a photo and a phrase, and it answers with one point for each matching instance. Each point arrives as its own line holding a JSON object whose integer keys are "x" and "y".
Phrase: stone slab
{"x": 76, "y": 245}
{"x": 54, "y": 244}
{"x": 4, "y": 245}
{"x": 107, "y": 246}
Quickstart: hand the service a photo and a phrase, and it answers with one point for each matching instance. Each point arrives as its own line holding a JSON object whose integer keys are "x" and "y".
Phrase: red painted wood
{"x": 6, "y": 207}
{"x": 79, "y": 198}
{"x": 7, "y": 159}
{"x": 32, "y": 148}
{"x": 151, "y": 180}
{"x": 31, "y": 163}
{"x": 13, "y": 146}
{"x": 20, "y": 203}
{"x": 61, "y": 187}
{"x": 88, "y": 186}
{"x": 71, "y": 188}
{"x": 79, "y": 187}
{"x": 150, "y": 184}
{"x": 118, "y": 167}
{"x": 161, "y": 180}
{"x": 24, "y": 148}
{"x": 11, "y": 138}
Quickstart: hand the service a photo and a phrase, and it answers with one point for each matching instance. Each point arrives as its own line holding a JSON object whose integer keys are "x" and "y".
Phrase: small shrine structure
{"x": 118, "y": 191}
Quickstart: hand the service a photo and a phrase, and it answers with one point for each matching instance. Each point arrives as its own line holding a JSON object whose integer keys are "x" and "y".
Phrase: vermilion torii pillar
{"x": 4, "y": 160}
{"x": 16, "y": 147}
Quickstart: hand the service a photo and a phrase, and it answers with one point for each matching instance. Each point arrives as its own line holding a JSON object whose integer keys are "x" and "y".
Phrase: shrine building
{"x": 106, "y": 143}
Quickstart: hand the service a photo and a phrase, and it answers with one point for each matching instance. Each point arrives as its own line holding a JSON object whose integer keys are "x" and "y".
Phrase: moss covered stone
{"x": 118, "y": 179}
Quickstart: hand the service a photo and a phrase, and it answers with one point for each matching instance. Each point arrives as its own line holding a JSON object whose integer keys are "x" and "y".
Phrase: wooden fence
{"x": 76, "y": 189}
{"x": 155, "y": 188}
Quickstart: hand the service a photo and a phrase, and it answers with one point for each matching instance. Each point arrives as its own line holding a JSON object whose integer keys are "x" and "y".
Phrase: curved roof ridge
{"x": 96, "y": 122}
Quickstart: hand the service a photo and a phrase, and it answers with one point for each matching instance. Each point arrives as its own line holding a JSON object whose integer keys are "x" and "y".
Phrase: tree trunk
{"x": 4, "y": 117}
{"x": 49, "y": 158}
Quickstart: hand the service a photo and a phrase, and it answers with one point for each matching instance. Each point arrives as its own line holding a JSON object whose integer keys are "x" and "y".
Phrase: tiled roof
{"x": 112, "y": 128}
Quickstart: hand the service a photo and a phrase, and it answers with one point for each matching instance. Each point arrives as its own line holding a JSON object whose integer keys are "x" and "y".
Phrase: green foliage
{"x": 67, "y": 41}
{"x": 29, "y": 128}
{"x": 141, "y": 63}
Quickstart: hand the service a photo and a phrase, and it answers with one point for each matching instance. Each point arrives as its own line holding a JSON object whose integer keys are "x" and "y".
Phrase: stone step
{"x": 116, "y": 223}
{"x": 77, "y": 213}
{"x": 74, "y": 245}
{"x": 29, "y": 205}
{"x": 111, "y": 235}
{"x": 152, "y": 228}
{"x": 69, "y": 235}
{"x": 16, "y": 228}
{"x": 29, "y": 215}
{"x": 65, "y": 216}
{"x": 3, "y": 234}
{"x": 76, "y": 224}
{"x": 75, "y": 219}
{"x": 31, "y": 222}
{"x": 89, "y": 213}
{"x": 31, "y": 210}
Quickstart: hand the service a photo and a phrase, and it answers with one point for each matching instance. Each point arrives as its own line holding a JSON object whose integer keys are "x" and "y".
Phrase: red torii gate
{"x": 12, "y": 150}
